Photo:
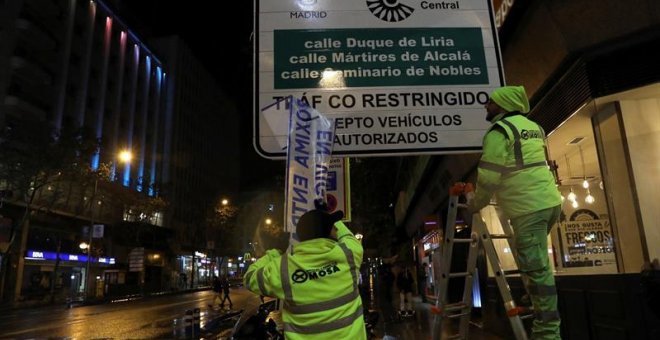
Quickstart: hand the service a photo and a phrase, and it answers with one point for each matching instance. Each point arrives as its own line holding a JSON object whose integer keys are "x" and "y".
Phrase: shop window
{"x": 584, "y": 241}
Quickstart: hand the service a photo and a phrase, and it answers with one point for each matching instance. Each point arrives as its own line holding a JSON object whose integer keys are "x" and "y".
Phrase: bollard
{"x": 196, "y": 326}
{"x": 188, "y": 323}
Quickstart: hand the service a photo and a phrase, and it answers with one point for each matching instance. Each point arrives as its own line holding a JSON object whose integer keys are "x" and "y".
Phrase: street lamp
{"x": 124, "y": 156}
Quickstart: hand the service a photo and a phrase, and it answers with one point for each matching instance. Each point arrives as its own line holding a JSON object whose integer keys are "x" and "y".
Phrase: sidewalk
{"x": 419, "y": 325}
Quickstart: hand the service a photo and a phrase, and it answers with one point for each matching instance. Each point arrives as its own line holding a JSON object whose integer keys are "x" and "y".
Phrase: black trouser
{"x": 225, "y": 298}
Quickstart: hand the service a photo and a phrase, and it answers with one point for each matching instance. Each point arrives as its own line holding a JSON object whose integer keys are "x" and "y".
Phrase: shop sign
{"x": 431, "y": 241}
{"x": 52, "y": 256}
{"x": 588, "y": 243}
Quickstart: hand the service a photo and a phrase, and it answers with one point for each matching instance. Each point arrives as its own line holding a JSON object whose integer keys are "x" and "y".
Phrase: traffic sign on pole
{"x": 398, "y": 77}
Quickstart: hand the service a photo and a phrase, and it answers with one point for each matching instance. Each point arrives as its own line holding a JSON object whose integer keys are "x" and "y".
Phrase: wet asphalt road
{"x": 149, "y": 318}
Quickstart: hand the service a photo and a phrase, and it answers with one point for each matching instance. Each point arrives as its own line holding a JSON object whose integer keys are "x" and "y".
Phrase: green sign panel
{"x": 372, "y": 57}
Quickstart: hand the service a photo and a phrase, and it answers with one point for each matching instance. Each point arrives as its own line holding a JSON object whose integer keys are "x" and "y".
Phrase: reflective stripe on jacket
{"x": 318, "y": 283}
{"x": 514, "y": 168}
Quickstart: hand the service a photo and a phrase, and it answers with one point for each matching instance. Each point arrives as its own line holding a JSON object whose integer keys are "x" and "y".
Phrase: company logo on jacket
{"x": 302, "y": 275}
{"x": 527, "y": 134}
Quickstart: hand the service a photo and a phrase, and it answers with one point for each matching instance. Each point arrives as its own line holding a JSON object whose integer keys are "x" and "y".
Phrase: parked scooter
{"x": 255, "y": 323}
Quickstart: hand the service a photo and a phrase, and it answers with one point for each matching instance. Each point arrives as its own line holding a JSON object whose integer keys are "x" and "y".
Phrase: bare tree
{"x": 34, "y": 158}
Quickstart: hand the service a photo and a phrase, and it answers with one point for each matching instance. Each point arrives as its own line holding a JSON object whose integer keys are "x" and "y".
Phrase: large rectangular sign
{"x": 399, "y": 77}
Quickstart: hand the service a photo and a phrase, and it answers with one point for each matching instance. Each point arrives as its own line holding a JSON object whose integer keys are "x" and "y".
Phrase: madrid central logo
{"x": 389, "y": 10}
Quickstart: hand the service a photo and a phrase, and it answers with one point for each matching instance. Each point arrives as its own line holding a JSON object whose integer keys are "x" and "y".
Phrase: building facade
{"x": 71, "y": 63}
{"x": 591, "y": 72}
{"x": 202, "y": 156}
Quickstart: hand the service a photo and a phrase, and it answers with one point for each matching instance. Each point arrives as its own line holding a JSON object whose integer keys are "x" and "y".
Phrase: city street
{"x": 153, "y": 318}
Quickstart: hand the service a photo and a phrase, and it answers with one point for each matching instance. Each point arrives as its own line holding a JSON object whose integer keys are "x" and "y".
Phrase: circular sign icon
{"x": 332, "y": 202}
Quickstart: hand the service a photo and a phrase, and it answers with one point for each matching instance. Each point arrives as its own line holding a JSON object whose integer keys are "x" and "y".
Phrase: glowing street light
{"x": 125, "y": 156}
{"x": 224, "y": 201}
{"x": 269, "y": 221}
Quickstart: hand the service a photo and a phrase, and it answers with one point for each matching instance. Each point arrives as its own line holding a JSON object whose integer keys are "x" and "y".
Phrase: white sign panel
{"x": 338, "y": 189}
{"x": 398, "y": 77}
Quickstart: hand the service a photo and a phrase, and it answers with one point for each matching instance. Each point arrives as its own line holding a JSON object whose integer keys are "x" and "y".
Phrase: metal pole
{"x": 89, "y": 246}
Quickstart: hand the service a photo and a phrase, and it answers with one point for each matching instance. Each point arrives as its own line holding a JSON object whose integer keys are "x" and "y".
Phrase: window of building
{"x": 608, "y": 159}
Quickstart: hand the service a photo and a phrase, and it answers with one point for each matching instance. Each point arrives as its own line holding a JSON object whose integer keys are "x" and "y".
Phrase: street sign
{"x": 136, "y": 260}
{"x": 97, "y": 231}
{"x": 399, "y": 77}
{"x": 338, "y": 189}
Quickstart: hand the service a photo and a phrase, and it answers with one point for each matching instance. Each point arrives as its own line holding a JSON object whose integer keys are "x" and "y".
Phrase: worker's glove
{"x": 320, "y": 204}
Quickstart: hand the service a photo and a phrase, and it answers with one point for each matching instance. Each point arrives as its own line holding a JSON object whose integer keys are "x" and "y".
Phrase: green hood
{"x": 511, "y": 98}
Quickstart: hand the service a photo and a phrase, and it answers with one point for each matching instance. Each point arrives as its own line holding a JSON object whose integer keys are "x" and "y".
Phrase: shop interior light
{"x": 572, "y": 196}
{"x": 589, "y": 199}
{"x": 585, "y": 184}
{"x": 575, "y": 204}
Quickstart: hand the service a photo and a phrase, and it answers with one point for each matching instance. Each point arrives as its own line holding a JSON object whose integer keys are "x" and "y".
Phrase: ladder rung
{"x": 499, "y": 236}
{"x": 462, "y": 240}
{"x": 456, "y": 336}
{"x": 511, "y": 272}
{"x": 459, "y": 274}
{"x": 526, "y": 316}
{"x": 458, "y": 315}
{"x": 456, "y": 306}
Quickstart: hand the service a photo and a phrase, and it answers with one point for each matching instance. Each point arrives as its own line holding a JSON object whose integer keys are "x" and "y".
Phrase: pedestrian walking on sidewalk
{"x": 317, "y": 279}
{"x": 421, "y": 281}
{"x": 225, "y": 290}
{"x": 385, "y": 287}
{"x": 217, "y": 289}
{"x": 404, "y": 282}
{"x": 514, "y": 167}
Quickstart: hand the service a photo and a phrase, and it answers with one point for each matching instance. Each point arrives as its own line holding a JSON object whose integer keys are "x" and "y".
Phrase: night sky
{"x": 221, "y": 40}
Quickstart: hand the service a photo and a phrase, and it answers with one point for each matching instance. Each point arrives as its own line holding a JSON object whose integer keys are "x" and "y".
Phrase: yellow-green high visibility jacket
{"x": 513, "y": 166}
{"x": 318, "y": 283}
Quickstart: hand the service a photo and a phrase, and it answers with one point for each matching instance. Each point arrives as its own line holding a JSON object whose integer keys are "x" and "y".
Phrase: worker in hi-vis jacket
{"x": 514, "y": 167}
{"x": 317, "y": 280}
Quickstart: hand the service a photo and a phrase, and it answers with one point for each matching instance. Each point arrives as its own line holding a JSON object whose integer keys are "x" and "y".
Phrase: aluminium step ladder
{"x": 445, "y": 310}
